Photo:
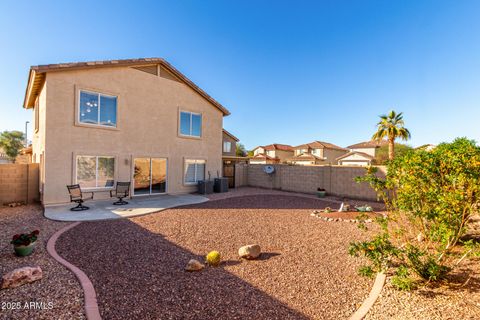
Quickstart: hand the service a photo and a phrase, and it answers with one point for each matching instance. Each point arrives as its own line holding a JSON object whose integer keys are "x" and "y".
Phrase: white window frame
{"x": 96, "y": 171}
{"x": 195, "y": 161}
{"x": 229, "y": 144}
{"x": 191, "y": 122}
{"x": 98, "y": 124}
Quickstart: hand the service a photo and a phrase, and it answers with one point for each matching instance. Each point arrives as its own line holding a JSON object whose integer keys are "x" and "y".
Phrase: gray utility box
{"x": 205, "y": 186}
{"x": 221, "y": 185}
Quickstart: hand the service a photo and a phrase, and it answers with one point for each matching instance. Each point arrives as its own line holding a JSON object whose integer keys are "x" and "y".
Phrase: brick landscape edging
{"x": 372, "y": 297}
{"x": 91, "y": 306}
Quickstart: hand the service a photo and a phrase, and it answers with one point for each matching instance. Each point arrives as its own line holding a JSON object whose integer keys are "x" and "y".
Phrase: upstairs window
{"x": 190, "y": 124}
{"x": 227, "y": 146}
{"x": 98, "y": 109}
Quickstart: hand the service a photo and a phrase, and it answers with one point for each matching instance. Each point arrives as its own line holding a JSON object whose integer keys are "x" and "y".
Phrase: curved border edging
{"x": 91, "y": 306}
{"x": 372, "y": 297}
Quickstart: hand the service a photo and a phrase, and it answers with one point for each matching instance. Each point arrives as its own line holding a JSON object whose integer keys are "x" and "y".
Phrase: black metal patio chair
{"x": 122, "y": 190}
{"x": 78, "y": 196}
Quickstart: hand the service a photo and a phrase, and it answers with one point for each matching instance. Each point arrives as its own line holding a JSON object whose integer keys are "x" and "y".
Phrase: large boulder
{"x": 21, "y": 276}
{"x": 251, "y": 251}
{"x": 194, "y": 265}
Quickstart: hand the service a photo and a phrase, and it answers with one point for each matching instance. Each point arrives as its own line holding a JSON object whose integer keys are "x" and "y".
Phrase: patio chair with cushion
{"x": 77, "y": 196}
{"x": 122, "y": 190}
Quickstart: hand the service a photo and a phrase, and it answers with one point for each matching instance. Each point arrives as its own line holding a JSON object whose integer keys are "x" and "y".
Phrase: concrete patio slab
{"x": 105, "y": 210}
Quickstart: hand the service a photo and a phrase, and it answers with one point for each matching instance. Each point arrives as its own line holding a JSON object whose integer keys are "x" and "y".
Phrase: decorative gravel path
{"x": 58, "y": 286}
{"x": 136, "y": 265}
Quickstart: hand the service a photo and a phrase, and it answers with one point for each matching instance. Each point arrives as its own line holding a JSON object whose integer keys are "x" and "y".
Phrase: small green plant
{"x": 379, "y": 251}
{"x": 425, "y": 265}
{"x": 366, "y": 271}
{"x": 402, "y": 280}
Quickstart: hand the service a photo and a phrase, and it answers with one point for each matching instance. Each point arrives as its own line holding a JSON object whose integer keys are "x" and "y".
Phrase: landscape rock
{"x": 251, "y": 251}
{"x": 194, "y": 265}
{"x": 21, "y": 276}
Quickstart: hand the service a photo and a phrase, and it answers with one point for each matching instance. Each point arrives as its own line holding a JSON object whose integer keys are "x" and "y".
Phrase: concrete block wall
{"x": 337, "y": 180}
{"x": 19, "y": 183}
{"x": 241, "y": 175}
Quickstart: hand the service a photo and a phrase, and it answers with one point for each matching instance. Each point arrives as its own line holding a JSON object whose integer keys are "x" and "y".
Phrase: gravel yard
{"x": 58, "y": 286}
{"x": 136, "y": 265}
{"x": 452, "y": 301}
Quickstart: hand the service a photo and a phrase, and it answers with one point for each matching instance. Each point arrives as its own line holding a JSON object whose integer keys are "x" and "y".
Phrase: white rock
{"x": 194, "y": 265}
{"x": 251, "y": 251}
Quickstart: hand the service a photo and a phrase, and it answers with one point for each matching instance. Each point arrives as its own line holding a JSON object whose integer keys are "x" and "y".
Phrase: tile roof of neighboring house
{"x": 363, "y": 154}
{"x": 230, "y": 135}
{"x": 263, "y": 156}
{"x": 306, "y": 156}
{"x": 276, "y": 146}
{"x": 369, "y": 144}
{"x": 36, "y": 76}
{"x": 319, "y": 145}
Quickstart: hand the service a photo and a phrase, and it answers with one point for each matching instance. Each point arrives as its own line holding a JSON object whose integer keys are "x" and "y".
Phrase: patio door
{"x": 149, "y": 176}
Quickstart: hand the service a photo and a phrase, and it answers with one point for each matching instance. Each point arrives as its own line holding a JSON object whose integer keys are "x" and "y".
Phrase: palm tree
{"x": 391, "y": 126}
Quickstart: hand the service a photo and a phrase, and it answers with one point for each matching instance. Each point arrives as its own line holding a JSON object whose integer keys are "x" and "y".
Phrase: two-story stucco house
{"x": 316, "y": 153}
{"x": 137, "y": 120}
{"x": 361, "y": 154}
{"x": 271, "y": 154}
{"x": 230, "y": 158}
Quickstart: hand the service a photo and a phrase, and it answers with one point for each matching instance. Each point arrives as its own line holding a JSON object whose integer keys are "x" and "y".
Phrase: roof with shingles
{"x": 363, "y": 154}
{"x": 37, "y": 76}
{"x": 276, "y": 146}
{"x": 230, "y": 135}
{"x": 319, "y": 145}
{"x": 369, "y": 144}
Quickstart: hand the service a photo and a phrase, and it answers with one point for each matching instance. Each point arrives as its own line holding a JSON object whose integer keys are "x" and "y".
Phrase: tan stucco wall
{"x": 258, "y": 151}
{"x": 147, "y": 126}
{"x": 355, "y": 160}
{"x": 332, "y": 155}
{"x": 283, "y": 155}
{"x": 369, "y": 151}
{"x": 226, "y": 137}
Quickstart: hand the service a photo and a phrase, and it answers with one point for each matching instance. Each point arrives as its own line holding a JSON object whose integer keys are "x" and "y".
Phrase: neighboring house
{"x": 361, "y": 154}
{"x": 271, "y": 154}
{"x": 426, "y": 147}
{"x": 230, "y": 158}
{"x": 316, "y": 153}
{"x": 137, "y": 120}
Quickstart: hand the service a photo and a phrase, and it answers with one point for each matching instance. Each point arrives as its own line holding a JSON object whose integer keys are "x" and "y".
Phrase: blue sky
{"x": 289, "y": 71}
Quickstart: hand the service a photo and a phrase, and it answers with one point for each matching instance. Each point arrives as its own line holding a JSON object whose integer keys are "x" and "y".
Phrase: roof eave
{"x": 28, "y": 89}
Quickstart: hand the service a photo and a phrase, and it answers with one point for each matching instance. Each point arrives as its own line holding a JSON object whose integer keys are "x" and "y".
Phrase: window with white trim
{"x": 227, "y": 146}
{"x": 190, "y": 124}
{"x": 98, "y": 109}
{"x": 194, "y": 171}
{"x": 95, "y": 171}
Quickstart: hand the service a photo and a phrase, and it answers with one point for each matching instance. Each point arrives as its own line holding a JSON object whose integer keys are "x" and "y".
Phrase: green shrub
{"x": 428, "y": 193}
{"x": 402, "y": 280}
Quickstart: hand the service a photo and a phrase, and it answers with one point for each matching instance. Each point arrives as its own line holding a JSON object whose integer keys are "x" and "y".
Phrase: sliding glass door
{"x": 149, "y": 176}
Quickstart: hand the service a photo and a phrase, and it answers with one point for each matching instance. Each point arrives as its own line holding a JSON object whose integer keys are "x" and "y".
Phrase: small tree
{"x": 392, "y": 127}
{"x": 240, "y": 150}
{"x": 382, "y": 153}
{"x": 430, "y": 197}
{"x": 12, "y": 142}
